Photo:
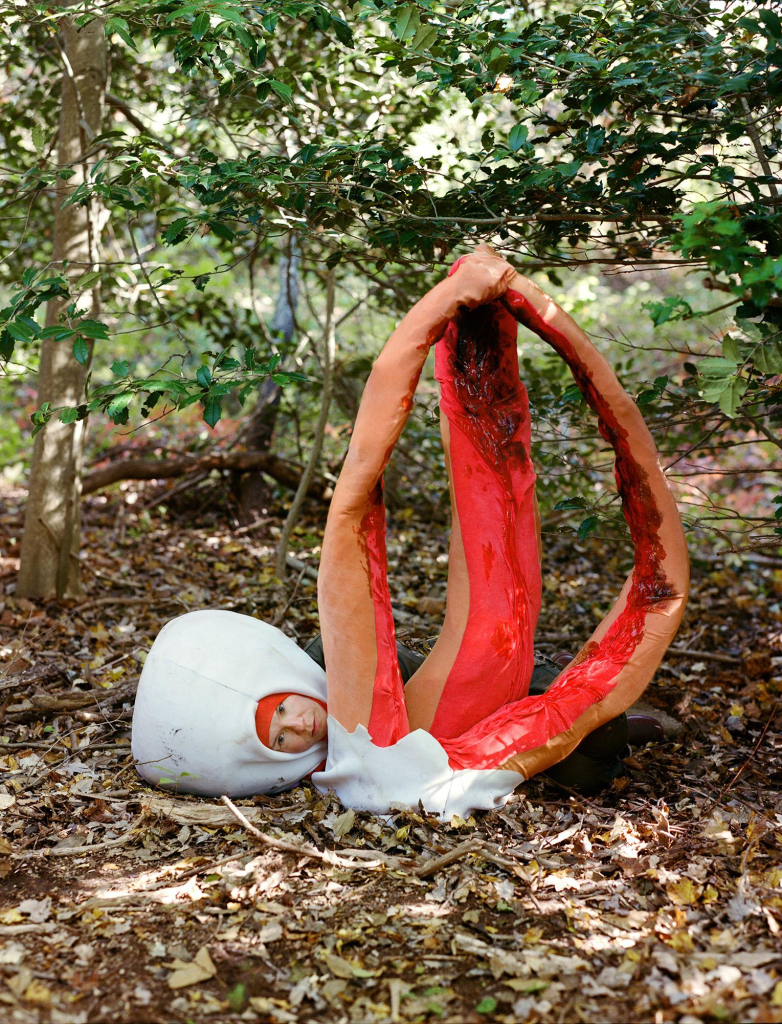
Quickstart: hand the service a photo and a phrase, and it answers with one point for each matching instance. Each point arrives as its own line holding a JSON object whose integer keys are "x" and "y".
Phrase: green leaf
{"x": 200, "y": 26}
{"x": 93, "y": 329}
{"x": 307, "y": 152}
{"x": 57, "y": 333}
{"x": 572, "y": 393}
{"x": 81, "y": 350}
{"x": 39, "y": 138}
{"x": 237, "y": 997}
{"x": 487, "y": 1005}
{"x": 517, "y": 137}
{"x": 406, "y": 23}
{"x": 204, "y": 376}
{"x": 19, "y": 331}
{"x": 730, "y": 348}
{"x": 221, "y": 229}
{"x": 176, "y": 231}
{"x": 768, "y": 357}
{"x": 570, "y": 503}
{"x": 716, "y": 366}
{"x": 86, "y": 281}
{"x": 342, "y": 31}
{"x": 425, "y": 38}
{"x": 118, "y": 407}
{"x": 595, "y": 139}
{"x": 588, "y": 525}
{"x": 283, "y": 91}
{"x": 772, "y": 22}
{"x": 121, "y": 27}
{"x": 322, "y": 18}
{"x": 69, "y": 415}
{"x": 674, "y": 307}
{"x": 7, "y": 345}
{"x": 646, "y": 397}
{"x": 213, "y": 410}
{"x": 730, "y": 399}
{"x": 498, "y": 64}
{"x": 120, "y": 368}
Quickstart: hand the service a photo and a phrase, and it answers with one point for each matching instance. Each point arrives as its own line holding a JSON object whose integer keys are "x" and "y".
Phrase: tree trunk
{"x": 329, "y": 353}
{"x": 52, "y": 526}
{"x": 252, "y": 489}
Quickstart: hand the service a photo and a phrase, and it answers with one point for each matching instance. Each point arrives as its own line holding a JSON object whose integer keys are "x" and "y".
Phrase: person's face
{"x": 297, "y": 724}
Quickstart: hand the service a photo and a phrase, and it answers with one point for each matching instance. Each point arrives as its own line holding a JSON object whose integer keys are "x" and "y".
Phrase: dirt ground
{"x": 660, "y": 900}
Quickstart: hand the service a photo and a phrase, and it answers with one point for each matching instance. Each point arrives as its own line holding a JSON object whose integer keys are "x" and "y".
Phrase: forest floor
{"x": 660, "y": 900}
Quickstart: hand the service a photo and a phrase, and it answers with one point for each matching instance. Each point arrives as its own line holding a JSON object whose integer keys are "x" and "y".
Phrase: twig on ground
{"x": 101, "y": 602}
{"x": 430, "y": 867}
{"x": 281, "y": 615}
{"x": 307, "y": 850}
{"x": 752, "y": 753}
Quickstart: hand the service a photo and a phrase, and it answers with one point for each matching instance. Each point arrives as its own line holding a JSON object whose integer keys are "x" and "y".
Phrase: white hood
{"x": 194, "y": 718}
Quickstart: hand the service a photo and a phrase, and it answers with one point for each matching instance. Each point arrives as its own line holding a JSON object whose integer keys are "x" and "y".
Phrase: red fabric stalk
{"x": 477, "y": 367}
{"x": 388, "y": 722}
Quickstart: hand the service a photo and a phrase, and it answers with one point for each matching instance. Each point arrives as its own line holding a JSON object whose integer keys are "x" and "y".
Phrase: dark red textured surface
{"x": 530, "y": 723}
{"x": 477, "y": 367}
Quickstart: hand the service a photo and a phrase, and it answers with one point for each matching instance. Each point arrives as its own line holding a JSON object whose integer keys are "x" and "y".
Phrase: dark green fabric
{"x": 592, "y": 765}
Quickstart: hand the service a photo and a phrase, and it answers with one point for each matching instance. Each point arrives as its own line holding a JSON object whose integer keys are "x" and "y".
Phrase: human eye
{"x": 281, "y": 709}
{"x": 281, "y": 740}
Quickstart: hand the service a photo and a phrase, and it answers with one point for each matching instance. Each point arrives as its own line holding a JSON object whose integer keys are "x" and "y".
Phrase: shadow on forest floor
{"x": 660, "y": 900}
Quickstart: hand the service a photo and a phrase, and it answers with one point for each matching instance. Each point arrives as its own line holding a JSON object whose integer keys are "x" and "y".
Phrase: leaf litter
{"x": 660, "y": 899}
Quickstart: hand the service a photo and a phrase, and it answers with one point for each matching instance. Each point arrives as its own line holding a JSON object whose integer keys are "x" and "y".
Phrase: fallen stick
{"x": 307, "y": 850}
{"x": 432, "y": 866}
{"x": 74, "y": 700}
{"x": 24, "y": 929}
{"x": 160, "y": 469}
{"x": 683, "y": 652}
{"x": 101, "y": 602}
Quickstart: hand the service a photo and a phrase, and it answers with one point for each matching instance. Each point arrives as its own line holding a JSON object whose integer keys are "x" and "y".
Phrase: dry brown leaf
{"x": 186, "y": 973}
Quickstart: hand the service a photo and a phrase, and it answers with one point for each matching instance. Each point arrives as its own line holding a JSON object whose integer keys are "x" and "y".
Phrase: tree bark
{"x": 52, "y": 527}
{"x": 251, "y": 488}
{"x": 329, "y": 352}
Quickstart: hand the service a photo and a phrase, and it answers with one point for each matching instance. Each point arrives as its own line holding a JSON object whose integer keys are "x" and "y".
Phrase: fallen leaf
{"x": 19, "y": 982}
{"x": 36, "y": 992}
{"x": 684, "y": 891}
{"x": 186, "y": 973}
{"x": 37, "y": 910}
{"x": 342, "y": 968}
{"x": 344, "y": 823}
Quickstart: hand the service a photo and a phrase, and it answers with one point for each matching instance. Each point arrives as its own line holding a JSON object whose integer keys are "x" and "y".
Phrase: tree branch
{"x": 164, "y": 469}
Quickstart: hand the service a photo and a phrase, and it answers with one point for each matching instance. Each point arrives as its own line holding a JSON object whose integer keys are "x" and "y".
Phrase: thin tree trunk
{"x": 52, "y": 527}
{"x": 252, "y": 489}
{"x": 329, "y": 352}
